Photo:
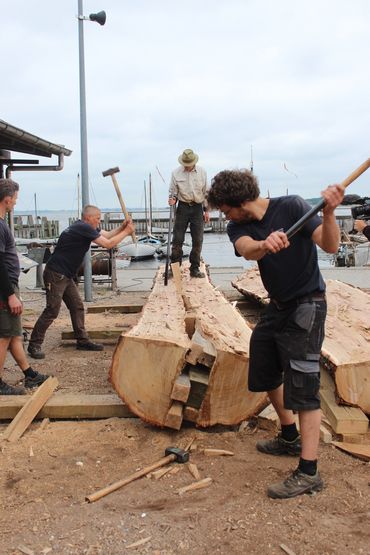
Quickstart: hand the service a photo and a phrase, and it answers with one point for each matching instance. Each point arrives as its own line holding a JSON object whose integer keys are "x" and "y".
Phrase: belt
{"x": 192, "y": 203}
{"x": 316, "y": 296}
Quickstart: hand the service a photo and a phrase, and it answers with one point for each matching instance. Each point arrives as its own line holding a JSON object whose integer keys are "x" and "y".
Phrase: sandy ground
{"x": 46, "y": 475}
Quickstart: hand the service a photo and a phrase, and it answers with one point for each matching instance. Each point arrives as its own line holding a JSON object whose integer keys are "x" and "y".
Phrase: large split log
{"x": 346, "y": 348}
{"x": 186, "y": 336}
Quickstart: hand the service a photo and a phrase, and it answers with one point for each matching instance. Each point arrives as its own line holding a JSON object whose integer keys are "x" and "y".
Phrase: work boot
{"x": 296, "y": 484}
{"x": 35, "y": 351}
{"x": 196, "y": 273}
{"x": 89, "y": 346}
{"x": 6, "y": 389}
{"x": 36, "y": 380}
{"x": 280, "y": 446}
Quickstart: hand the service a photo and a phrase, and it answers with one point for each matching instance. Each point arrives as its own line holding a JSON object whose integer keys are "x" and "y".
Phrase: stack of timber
{"x": 187, "y": 358}
{"x": 346, "y": 349}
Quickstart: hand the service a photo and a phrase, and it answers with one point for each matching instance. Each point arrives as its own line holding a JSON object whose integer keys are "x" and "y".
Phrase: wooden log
{"x": 150, "y": 356}
{"x": 68, "y": 406}
{"x": 346, "y": 348}
{"x": 121, "y": 308}
{"x": 25, "y": 416}
{"x": 95, "y": 334}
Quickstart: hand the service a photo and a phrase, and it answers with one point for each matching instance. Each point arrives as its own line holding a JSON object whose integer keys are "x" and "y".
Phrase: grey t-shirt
{"x": 9, "y": 252}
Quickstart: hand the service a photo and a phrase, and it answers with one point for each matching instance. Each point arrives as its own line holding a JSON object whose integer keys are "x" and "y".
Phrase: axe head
{"x": 111, "y": 171}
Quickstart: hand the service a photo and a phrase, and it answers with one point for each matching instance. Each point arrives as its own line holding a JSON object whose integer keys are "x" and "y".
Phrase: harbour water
{"x": 217, "y": 249}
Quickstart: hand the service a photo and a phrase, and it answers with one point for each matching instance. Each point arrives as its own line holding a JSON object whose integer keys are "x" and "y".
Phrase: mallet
{"x": 315, "y": 209}
{"x": 171, "y": 454}
{"x": 112, "y": 172}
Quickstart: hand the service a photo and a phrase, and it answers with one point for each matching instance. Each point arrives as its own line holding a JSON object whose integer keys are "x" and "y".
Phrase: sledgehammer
{"x": 171, "y": 454}
{"x": 112, "y": 172}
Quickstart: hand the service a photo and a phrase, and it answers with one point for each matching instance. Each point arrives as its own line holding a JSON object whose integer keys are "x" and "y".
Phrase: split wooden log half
{"x": 346, "y": 348}
{"x": 186, "y": 358}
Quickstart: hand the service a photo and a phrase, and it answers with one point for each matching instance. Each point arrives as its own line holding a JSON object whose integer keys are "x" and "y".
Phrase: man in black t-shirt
{"x": 62, "y": 268}
{"x": 286, "y": 343}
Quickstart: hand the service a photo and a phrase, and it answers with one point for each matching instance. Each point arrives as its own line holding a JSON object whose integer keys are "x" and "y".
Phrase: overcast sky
{"x": 289, "y": 77}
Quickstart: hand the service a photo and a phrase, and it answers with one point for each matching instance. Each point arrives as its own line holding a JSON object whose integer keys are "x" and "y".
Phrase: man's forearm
{"x": 251, "y": 249}
{"x": 330, "y": 234}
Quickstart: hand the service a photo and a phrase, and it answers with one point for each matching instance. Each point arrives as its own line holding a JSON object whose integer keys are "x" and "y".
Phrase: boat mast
{"x": 150, "y": 206}
{"x": 146, "y": 209}
{"x": 251, "y": 166}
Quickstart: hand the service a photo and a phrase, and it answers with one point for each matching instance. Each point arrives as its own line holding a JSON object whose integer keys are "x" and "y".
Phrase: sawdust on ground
{"x": 46, "y": 475}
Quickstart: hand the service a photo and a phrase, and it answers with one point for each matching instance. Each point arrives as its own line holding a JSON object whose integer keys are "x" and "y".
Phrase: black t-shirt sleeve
{"x": 234, "y": 232}
{"x": 87, "y": 231}
{"x": 6, "y": 287}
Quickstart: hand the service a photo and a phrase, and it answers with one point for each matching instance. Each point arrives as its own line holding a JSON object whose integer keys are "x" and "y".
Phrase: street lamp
{"x": 100, "y": 18}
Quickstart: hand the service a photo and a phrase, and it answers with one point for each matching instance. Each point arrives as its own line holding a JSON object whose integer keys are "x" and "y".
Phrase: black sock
{"x": 308, "y": 467}
{"x": 30, "y": 372}
{"x": 289, "y": 432}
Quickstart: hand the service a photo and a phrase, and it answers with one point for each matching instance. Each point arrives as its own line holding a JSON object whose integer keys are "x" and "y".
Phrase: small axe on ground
{"x": 112, "y": 172}
{"x": 172, "y": 454}
{"x": 315, "y": 209}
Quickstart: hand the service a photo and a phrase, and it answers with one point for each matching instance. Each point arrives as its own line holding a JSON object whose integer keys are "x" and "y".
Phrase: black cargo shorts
{"x": 285, "y": 348}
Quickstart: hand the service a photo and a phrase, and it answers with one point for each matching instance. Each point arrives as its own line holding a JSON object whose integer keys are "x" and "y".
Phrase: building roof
{"x": 15, "y": 139}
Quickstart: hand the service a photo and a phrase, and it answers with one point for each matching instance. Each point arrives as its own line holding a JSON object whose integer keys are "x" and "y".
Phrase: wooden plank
{"x": 177, "y": 277}
{"x": 342, "y": 419}
{"x": 96, "y": 334}
{"x": 65, "y": 406}
{"x": 121, "y": 308}
{"x": 217, "y": 453}
{"x": 181, "y": 388}
{"x": 25, "y": 416}
{"x": 355, "y": 438}
{"x": 174, "y": 416}
{"x": 357, "y": 450}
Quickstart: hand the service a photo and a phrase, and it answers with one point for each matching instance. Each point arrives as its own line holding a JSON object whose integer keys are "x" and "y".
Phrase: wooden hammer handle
{"x": 122, "y": 203}
{"x": 316, "y": 209}
{"x": 113, "y": 487}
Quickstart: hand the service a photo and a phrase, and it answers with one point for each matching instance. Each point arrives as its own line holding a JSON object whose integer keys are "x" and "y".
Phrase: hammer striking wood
{"x": 112, "y": 172}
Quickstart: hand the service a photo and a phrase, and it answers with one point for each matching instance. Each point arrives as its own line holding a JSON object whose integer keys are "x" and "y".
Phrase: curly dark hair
{"x": 233, "y": 187}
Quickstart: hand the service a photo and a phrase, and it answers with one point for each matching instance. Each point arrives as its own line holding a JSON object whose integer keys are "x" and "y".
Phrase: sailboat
{"x": 149, "y": 238}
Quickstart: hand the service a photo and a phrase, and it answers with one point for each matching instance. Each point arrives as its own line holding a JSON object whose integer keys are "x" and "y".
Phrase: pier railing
{"x": 25, "y": 227}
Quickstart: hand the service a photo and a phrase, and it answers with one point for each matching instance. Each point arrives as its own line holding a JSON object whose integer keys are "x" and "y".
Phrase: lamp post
{"x": 100, "y": 18}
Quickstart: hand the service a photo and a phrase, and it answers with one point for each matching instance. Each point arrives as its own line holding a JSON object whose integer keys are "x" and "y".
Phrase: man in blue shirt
{"x": 285, "y": 344}
{"x": 61, "y": 270}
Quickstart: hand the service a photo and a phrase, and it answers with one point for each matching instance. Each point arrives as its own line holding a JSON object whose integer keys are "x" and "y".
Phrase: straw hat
{"x": 188, "y": 158}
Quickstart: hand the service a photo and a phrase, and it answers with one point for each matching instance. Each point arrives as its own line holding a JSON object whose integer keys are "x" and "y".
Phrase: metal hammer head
{"x": 181, "y": 455}
{"x": 111, "y": 171}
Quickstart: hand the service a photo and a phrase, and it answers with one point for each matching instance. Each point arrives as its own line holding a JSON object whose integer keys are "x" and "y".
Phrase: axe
{"x": 112, "y": 172}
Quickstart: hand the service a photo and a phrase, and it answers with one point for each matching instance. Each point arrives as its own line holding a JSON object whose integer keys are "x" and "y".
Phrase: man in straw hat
{"x": 188, "y": 188}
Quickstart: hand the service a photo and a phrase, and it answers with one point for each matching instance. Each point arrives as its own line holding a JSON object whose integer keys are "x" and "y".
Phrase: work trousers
{"x": 188, "y": 214}
{"x": 60, "y": 288}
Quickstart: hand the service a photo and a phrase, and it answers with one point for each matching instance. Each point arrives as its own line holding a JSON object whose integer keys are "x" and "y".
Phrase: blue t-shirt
{"x": 9, "y": 252}
{"x": 293, "y": 272}
{"x": 72, "y": 245}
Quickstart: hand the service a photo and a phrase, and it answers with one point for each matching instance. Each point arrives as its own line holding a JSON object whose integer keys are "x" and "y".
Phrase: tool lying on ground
{"x": 315, "y": 209}
{"x": 172, "y": 454}
{"x": 112, "y": 172}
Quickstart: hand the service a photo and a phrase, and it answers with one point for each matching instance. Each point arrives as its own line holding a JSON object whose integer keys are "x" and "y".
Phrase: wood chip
{"x": 217, "y": 453}
{"x": 157, "y": 474}
{"x": 25, "y": 550}
{"x": 195, "y": 485}
{"x": 193, "y": 469}
{"x": 286, "y": 549}
{"x": 139, "y": 543}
